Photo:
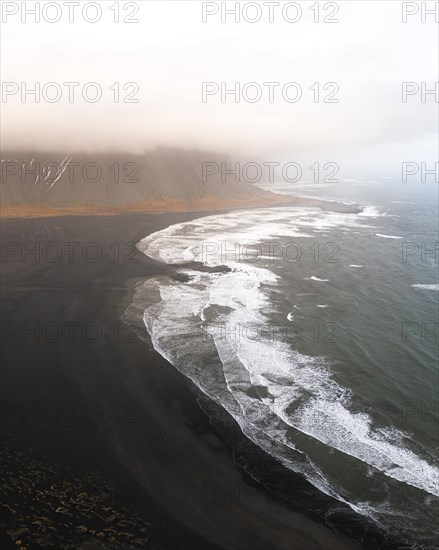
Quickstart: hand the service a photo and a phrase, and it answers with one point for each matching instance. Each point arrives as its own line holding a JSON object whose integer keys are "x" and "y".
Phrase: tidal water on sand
{"x": 317, "y": 332}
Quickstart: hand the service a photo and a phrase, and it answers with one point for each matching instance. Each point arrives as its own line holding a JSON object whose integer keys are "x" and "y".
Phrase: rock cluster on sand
{"x": 45, "y": 506}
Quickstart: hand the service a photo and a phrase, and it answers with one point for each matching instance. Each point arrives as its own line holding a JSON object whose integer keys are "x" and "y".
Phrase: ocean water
{"x": 317, "y": 332}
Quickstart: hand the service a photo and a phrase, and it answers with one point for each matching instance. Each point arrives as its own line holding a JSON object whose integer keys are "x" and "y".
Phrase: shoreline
{"x": 31, "y": 211}
{"x": 171, "y": 454}
{"x": 21, "y": 211}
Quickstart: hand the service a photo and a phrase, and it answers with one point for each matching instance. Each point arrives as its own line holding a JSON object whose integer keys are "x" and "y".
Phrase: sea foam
{"x": 212, "y": 328}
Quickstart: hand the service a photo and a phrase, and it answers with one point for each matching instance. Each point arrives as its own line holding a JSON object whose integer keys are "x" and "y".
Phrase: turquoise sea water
{"x": 317, "y": 332}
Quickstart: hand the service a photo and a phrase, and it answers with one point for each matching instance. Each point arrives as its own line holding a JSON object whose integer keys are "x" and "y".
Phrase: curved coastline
{"x": 170, "y": 465}
{"x": 329, "y": 510}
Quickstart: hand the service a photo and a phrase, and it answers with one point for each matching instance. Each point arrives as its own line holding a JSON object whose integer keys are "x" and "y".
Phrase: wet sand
{"x": 81, "y": 389}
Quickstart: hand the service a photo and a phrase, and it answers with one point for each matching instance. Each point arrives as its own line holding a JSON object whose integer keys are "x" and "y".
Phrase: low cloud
{"x": 361, "y": 61}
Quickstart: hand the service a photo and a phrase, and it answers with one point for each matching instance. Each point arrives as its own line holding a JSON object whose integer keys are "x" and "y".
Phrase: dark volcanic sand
{"x": 115, "y": 410}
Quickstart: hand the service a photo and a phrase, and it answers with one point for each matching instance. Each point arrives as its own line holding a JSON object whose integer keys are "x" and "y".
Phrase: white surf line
{"x": 248, "y": 428}
{"x": 387, "y": 236}
{"x": 426, "y": 286}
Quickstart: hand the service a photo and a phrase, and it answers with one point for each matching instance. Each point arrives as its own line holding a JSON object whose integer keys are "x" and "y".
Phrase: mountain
{"x": 163, "y": 179}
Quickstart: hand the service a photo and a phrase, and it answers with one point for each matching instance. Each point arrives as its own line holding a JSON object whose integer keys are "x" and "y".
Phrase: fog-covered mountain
{"x": 163, "y": 178}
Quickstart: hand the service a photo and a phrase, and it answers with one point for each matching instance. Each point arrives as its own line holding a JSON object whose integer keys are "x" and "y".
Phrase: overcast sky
{"x": 369, "y": 53}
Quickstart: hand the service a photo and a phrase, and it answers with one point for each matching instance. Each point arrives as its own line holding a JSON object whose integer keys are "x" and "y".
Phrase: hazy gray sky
{"x": 171, "y": 52}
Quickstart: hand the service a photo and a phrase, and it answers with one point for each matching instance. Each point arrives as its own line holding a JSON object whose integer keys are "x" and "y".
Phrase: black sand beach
{"x": 84, "y": 394}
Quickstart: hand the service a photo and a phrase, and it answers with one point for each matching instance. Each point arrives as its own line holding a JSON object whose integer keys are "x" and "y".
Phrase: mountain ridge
{"x": 160, "y": 177}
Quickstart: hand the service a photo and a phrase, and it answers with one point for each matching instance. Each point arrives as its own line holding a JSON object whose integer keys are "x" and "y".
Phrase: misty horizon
{"x": 166, "y": 85}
